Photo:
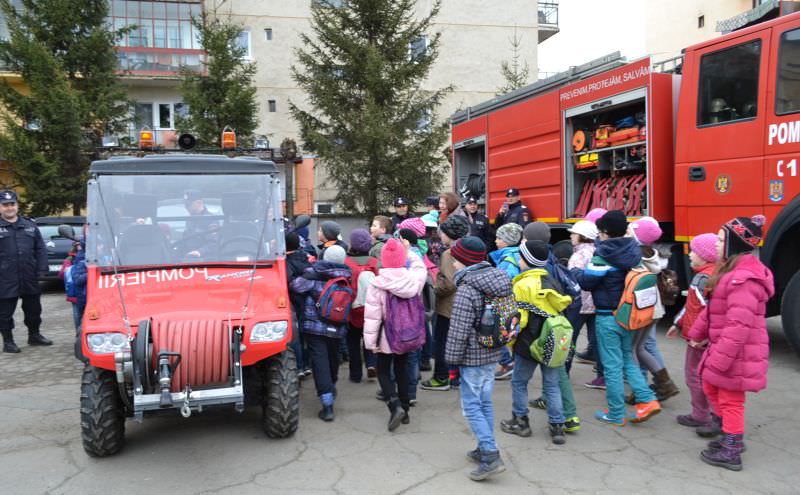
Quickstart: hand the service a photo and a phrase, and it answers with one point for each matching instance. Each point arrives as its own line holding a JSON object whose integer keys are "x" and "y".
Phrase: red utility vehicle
{"x": 187, "y": 303}
{"x": 693, "y": 150}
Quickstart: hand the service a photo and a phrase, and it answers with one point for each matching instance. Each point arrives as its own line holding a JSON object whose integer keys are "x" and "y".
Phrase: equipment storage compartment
{"x": 606, "y": 158}
{"x": 470, "y": 168}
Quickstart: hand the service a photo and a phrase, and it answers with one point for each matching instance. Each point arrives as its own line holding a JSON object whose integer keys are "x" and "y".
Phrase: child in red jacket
{"x": 703, "y": 257}
{"x": 733, "y": 331}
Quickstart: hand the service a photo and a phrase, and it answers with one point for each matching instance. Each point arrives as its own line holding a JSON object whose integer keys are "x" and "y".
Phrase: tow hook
{"x": 186, "y": 411}
{"x": 165, "y": 372}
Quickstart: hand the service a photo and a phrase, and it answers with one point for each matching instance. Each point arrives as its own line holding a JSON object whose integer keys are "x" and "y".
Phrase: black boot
{"x": 557, "y": 433}
{"x": 712, "y": 429}
{"x": 8, "y": 343}
{"x": 665, "y": 387}
{"x": 406, "y": 418}
{"x": 35, "y": 338}
{"x": 517, "y": 425}
{"x": 396, "y": 413}
{"x": 326, "y": 413}
{"x": 728, "y": 456}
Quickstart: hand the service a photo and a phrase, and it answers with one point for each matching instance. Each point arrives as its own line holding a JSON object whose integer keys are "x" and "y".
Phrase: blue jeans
{"x": 412, "y": 368}
{"x": 77, "y": 316}
{"x": 523, "y": 372}
{"x": 616, "y": 351}
{"x": 505, "y": 356}
{"x": 297, "y": 343}
{"x": 476, "y": 403}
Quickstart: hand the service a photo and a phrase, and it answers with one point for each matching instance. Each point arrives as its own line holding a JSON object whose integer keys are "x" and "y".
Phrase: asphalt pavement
{"x": 222, "y": 452}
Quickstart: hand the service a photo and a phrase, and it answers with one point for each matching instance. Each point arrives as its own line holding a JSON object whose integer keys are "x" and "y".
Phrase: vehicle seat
{"x": 239, "y": 227}
{"x": 143, "y": 244}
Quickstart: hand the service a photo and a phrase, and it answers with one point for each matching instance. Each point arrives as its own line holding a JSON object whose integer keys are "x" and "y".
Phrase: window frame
{"x": 272, "y": 106}
{"x": 700, "y": 94}
{"x": 249, "y": 47}
{"x": 777, "y": 68}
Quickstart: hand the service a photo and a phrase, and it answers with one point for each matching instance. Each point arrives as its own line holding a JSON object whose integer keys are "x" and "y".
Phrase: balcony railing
{"x": 547, "y": 16}
{"x": 158, "y": 61}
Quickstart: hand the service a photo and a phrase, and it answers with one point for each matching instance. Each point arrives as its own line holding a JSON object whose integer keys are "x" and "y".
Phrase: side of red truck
{"x": 721, "y": 139}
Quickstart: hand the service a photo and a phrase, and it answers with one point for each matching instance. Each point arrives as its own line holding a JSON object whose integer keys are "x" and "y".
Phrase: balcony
{"x": 149, "y": 62}
{"x": 547, "y": 19}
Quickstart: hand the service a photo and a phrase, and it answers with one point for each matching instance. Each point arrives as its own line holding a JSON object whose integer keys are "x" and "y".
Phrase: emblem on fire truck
{"x": 722, "y": 184}
{"x": 776, "y": 190}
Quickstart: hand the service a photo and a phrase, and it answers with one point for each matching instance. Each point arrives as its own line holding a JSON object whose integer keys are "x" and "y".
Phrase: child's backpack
{"x": 69, "y": 284}
{"x": 335, "y": 301}
{"x": 638, "y": 302}
{"x": 368, "y": 271}
{"x": 554, "y": 343}
{"x": 499, "y": 323}
{"x": 404, "y": 323}
{"x": 668, "y": 287}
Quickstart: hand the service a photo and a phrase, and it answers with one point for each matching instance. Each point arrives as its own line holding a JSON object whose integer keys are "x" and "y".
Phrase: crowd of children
{"x": 422, "y": 287}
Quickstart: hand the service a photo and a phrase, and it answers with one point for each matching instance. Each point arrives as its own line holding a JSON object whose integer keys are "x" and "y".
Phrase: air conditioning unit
{"x": 324, "y": 208}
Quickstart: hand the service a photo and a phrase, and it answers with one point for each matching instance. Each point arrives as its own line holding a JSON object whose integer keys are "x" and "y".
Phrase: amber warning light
{"x": 146, "y": 139}
{"x": 228, "y": 139}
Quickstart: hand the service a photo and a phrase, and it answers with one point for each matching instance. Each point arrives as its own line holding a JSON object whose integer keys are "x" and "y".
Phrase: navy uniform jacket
{"x": 479, "y": 226}
{"x": 517, "y": 213}
{"x": 22, "y": 257}
{"x": 397, "y": 220}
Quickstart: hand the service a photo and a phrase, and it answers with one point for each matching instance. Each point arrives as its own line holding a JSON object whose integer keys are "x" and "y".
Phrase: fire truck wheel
{"x": 281, "y": 405}
{"x": 102, "y": 413}
{"x": 790, "y": 312}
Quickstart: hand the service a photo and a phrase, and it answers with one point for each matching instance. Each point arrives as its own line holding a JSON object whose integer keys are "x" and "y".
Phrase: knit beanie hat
{"x": 510, "y": 233}
{"x": 537, "y": 231}
{"x": 330, "y": 230}
{"x": 470, "y": 250}
{"x": 563, "y": 250}
{"x": 743, "y": 234}
{"x": 334, "y": 254}
{"x": 408, "y": 235}
{"x": 360, "y": 241}
{"x": 585, "y": 228}
{"x": 646, "y": 230}
{"x": 705, "y": 246}
{"x": 414, "y": 224}
{"x": 393, "y": 254}
{"x": 292, "y": 241}
{"x": 455, "y": 227}
{"x": 614, "y": 223}
{"x": 535, "y": 253}
{"x": 594, "y": 215}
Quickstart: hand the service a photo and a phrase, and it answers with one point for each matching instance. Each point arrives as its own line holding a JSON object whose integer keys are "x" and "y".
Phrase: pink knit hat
{"x": 646, "y": 230}
{"x": 595, "y": 214}
{"x": 415, "y": 225}
{"x": 393, "y": 254}
{"x": 705, "y": 246}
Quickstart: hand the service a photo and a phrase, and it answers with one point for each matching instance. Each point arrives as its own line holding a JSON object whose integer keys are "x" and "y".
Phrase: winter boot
{"x": 35, "y": 338}
{"x": 557, "y": 433}
{"x": 326, "y": 413}
{"x": 728, "y": 455}
{"x": 8, "y": 343}
{"x": 490, "y": 464}
{"x": 712, "y": 429}
{"x": 717, "y": 444}
{"x": 665, "y": 387}
{"x": 396, "y": 413}
{"x": 406, "y": 417}
{"x": 517, "y": 425}
{"x": 690, "y": 421}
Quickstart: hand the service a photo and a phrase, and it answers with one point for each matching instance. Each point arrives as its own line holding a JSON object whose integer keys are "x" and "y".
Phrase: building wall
{"x": 672, "y": 26}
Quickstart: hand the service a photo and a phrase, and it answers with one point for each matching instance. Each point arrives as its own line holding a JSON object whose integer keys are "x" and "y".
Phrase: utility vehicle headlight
{"x": 269, "y": 331}
{"x": 107, "y": 343}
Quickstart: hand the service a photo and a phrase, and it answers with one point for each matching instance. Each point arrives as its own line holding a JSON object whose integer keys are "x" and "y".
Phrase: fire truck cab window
{"x": 787, "y": 92}
{"x": 729, "y": 84}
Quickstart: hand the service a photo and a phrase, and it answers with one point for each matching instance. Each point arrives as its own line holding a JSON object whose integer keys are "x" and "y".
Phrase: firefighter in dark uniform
{"x": 400, "y": 213}
{"x": 479, "y": 225}
{"x": 513, "y": 211}
{"x": 22, "y": 258}
{"x": 201, "y": 234}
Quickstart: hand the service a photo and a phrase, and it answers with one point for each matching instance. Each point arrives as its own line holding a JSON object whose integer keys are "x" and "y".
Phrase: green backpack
{"x": 554, "y": 342}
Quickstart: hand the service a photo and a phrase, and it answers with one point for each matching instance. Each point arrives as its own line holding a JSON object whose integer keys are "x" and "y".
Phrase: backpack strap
{"x": 532, "y": 308}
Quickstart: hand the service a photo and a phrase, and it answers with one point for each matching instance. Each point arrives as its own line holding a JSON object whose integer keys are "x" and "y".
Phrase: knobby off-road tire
{"x": 790, "y": 312}
{"x": 102, "y": 413}
{"x": 281, "y": 406}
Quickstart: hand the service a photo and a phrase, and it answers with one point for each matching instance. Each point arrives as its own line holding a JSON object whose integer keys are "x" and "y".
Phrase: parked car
{"x": 58, "y": 247}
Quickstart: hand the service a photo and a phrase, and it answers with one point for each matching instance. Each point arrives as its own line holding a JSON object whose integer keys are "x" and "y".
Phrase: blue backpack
{"x": 69, "y": 284}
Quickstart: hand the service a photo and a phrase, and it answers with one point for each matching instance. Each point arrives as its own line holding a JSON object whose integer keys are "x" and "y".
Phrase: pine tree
{"x": 368, "y": 119}
{"x": 515, "y": 72}
{"x": 64, "y": 52}
{"x": 224, "y": 94}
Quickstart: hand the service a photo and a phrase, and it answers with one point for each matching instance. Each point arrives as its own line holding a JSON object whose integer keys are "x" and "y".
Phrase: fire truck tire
{"x": 281, "y": 407}
{"x": 102, "y": 413}
{"x": 790, "y": 312}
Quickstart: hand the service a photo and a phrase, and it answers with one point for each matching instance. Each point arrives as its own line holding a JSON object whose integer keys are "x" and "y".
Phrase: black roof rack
{"x": 182, "y": 164}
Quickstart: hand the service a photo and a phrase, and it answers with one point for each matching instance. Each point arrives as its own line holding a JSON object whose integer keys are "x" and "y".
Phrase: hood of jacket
{"x": 620, "y": 252}
{"x": 395, "y": 281}
{"x": 500, "y": 254}
{"x": 528, "y": 288}
{"x": 325, "y": 270}
{"x": 750, "y": 268}
{"x": 485, "y": 279}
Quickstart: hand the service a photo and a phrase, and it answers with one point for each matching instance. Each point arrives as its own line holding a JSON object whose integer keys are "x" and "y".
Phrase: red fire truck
{"x": 720, "y": 139}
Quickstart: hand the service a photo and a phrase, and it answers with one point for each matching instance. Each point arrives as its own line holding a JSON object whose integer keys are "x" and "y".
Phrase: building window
{"x": 729, "y": 84}
{"x": 701, "y": 22}
{"x": 273, "y": 105}
{"x": 787, "y": 92}
{"x": 418, "y": 47}
{"x": 324, "y": 208}
{"x": 425, "y": 121}
{"x": 158, "y": 24}
{"x": 268, "y": 34}
{"x": 157, "y": 115}
{"x": 243, "y": 41}
{"x": 142, "y": 115}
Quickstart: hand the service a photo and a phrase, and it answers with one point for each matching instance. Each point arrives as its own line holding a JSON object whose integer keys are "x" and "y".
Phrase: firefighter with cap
{"x": 22, "y": 258}
{"x": 513, "y": 211}
{"x": 201, "y": 235}
{"x": 400, "y": 212}
{"x": 479, "y": 225}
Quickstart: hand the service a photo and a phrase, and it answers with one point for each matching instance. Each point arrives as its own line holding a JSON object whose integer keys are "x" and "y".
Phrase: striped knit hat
{"x": 469, "y": 250}
{"x": 535, "y": 253}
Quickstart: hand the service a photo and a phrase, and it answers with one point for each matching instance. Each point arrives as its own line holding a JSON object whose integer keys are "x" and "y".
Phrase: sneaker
{"x": 540, "y": 403}
{"x": 517, "y": 425}
{"x": 603, "y": 416}
{"x": 572, "y": 425}
{"x": 474, "y": 455}
{"x": 688, "y": 420}
{"x": 379, "y": 395}
{"x": 412, "y": 402}
{"x": 504, "y": 372}
{"x": 557, "y": 433}
{"x": 307, "y": 372}
{"x": 371, "y": 373}
{"x": 598, "y": 383}
{"x": 645, "y": 411}
{"x": 434, "y": 384}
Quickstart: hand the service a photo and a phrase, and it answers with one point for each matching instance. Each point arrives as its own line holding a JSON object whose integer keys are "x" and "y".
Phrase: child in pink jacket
{"x": 733, "y": 330}
{"x": 403, "y": 276}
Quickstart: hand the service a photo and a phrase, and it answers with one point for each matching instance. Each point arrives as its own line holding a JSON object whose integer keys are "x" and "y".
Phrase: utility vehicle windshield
{"x": 173, "y": 219}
